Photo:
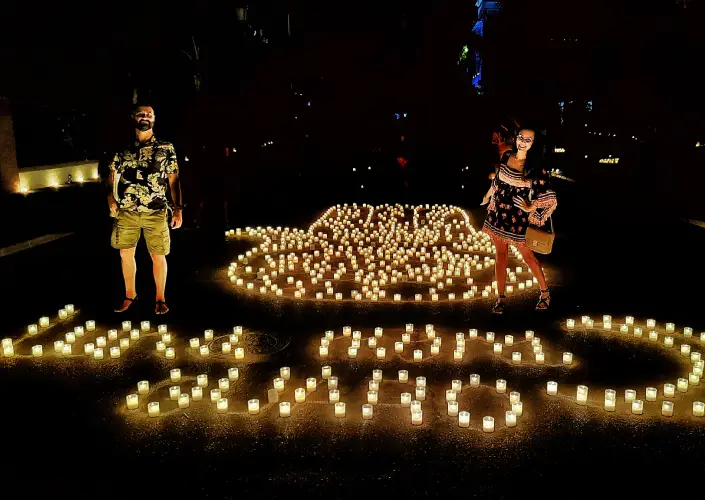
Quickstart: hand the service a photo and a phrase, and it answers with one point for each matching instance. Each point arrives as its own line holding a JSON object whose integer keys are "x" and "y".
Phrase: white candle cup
{"x": 357, "y": 335}
{"x": 497, "y": 348}
{"x": 153, "y": 409}
{"x": 501, "y": 386}
{"x": 330, "y": 335}
{"x": 452, "y": 408}
{"x": 197, "y": 393}
{"x": 590, "y": 323}
{"x": 435, "y": 350}
{"x": 100, "y": 342}
{"x": 284, "y": 372}
{"x": 638, "y": 331}
{"x": 44, "y": 322}
{"x": 567, "y": 358}
{"x": 552, "y": 388}
{"x": 489, "y": 336}
{"x": 629, "y": 320}
{"x": 132, "y": 401}
{"x": 114, "y": 352}
{"x": 32, "y": 329}
{"x": 667, "y": 409}
{"x": 623, "y": 328}
{"x": 222, "y": 405}
{"x": 653, "y": 336}
{"x": 194, "y": 343}
{"x": 333, "y": 396}
{"x": 143, "y": 387}
{"x": 398, "y": 347}
{"x": 161, "y": 346}
{"x": 70, "y": 337}
{"x": 8, "y": 351}
{"x": 323, "y": 351}
{"x": 202, "y": 380}
{"x": 145, "y": 326}
{"x": 98, "y": 353}
{"x": 418, "y": 355}
{"x": 175, "y": 375}
{"x": 112, "y": 335}
{"x": 516, "y": 358}
{"x": 698, "y": 409}
{"x": 510, "y": 418}
{"x": 377, "y": 375}
{"x": 474, "y": 380}
{"x": 518, "y": 408}
{"x": 226, "y": 347}
{"x": 70, "y": 309}
{"x": 204, "y": 351}
{"x": 637, "y": 407}
{"x": 693, "y": 379}
{"x": 417, "y": 417}
{"x": 253, "y": 406}
{"x": 381, "y": 352}
{"x": 340, "y": 409}
{"x": 650, "y": 323}
{"x": 695, "y": 357}
{"x": 279, "y": 384}
{"x": 174, "y": 392}
{"x": 162, "y": 329}
{"x": 529, "y": 335}
{"x": 403, "y": 376}
{"x": 463, "y": 417}
{"x": 420, "y": 394}
{"x": 224, "y": 384}
{"x": 488, "y": 424}
{"x": 237, "y": 330}
{"x": 63, "y": 314}
{"x": 457, "y": 355}
{"x": 88, "y": 348}
{"x": 584, "y": 319}
{"x": 629, "y": 396}
{"x": 124, "y": 344}
{"x": 607, "y": 326}
{"x": 347, "y": 331}
{"x": 570, "y": 324}
{"x": 472, "y": 333}
{"x": 514, "y": 397}
{"x": 80, "y": 331}
{"x": 420, "y": 381}
{"x": 284, "y": 409}
{"x": 610, "y": 399}
{"x": 651, "y": 393}
{"x": 372, "y": 342}
{"x": 405, "y": 399}
{"x": 326, "y": 372}
{"x": 300, "y": 395}
{"x": 126, "y": 326}
{"x": 352, "y": 352}
{"x": 215, "y": 395}
{"x": 310, "y": 384}
{"x": 685, "y": 350}
{"x": 457, "y": 385}
{"x": 668, "y": 341}
{"x": 670, "y": 327}
{"x": 451, "y": 395}
{"x": 669, "y": 390}
{"x": 239, "y": 353}
{"x": 367, "y": 411}
{"x": 208, "y": 335}
{"x": 687, "y": 332}
{"x": 540, "y": 358}
{"x": 37, "y": 351}
{"x": 581, "y": 395}
{"x": 406, "y": 338}
{"x": 509, "y": 340}
{"x": 170, "y": 353}
{"x": 66, "y": 351}
{"x": 682, "y": 385}
{"x": 535, "y": 341}
{"x": 234, "y": 339}
{"x": 332, "y": 382}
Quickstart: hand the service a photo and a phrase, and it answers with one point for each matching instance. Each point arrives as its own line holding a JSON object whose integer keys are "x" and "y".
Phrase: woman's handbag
{"x": 539, "y": 240}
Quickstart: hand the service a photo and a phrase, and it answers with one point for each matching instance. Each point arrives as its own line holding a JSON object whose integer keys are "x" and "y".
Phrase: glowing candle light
{"x": 623, "y": 329}
{"x": 629, "y": 395}
{"x": 695, "y": 357}
{"x": 451, "y": 395}
{"x": 653, "y": 336}
{"x": 685, "y": 350}
{"x": 161, "y": 329}
{"x": 590, "y": 323}
{"x": 153, "y": 409}
{"x": 489, "y": 337}
{"x": 284, "y": 372}
{"x": 197, "y": 393}
{"x": 37, "y": 351}
{"x": 417, "y": 417}
{"x": 112, "y": 335}
{"x": 347, "y": 331}
{"x": 405, "y": 399}
{"x": 357, "y": 335}
{"x": 310, "y": 384}
{"x": 372, "y": 342}
{"x": 584, "y": 319}
{"x": 687, "y": 332}
{"x": 202, "y": 380}
{"x": 488, "y": 424}
{"x": 497, "y": 348}
{"x": 66, "y": 351}
{"x": 126, "y": 326}
{"x": 333, "y": 396}
{"x": 98, "y": 353}
{"x": 132, "y": 401}
{"x": 70, "y": 338}
{"x": 406, "y": 338}
{"x": 323, "y": 351}
{"x": 698, "y": 409}
{"x": 509, "y": 340}
{"x": 607, "y": 326}
{"x": 403, "y": 376}
{"x": 352, "y": 352}
{"x": 650, "y": 323}
{"x": 145, "y": 326}
{"x": 651, "y": 393}
{"x": 88, "y": 348}
{"x": 32, "y": 329}
{"x": 539, "y": 358}
{"x": 510, "y": 418}
{"x": 670, "y": 327}
{"x": 669, "y": 390}
{"x": 114, "y": 352}
{"x": 79, "y": 330}
{"x": 44, "y": 322}
{"x": 474, "y": 380}
{"x": 453, "y": 408}
{"x": 356, "y": 343}
{"x": 570, "y": 324}
{"x": 300, "y": 395}
{"x": 567, "y": 358}
{"x": 124, "y": 344}
{"x": 174, "y": 392}
{"x": 610, "y": 399}
{"x": 215, "y": 395}
{"x": 284, "y": 409}
{"x": 194, "y": 343}
{"x": 204, "y": 351}
{"x": 514, "y": 397}
{"x": 170, "y": 353}
{"x": 501, "y": 386}
{"x": 143, "y": 387}
{"x": 8, "y": 350}
{"x": 693, "y": 379}
{"x": 418, "y": 355}
{"x": 457, "y": 354}
{"x": 529, "y": 335}
{"x": 667, "y": 409}
{"x": 637, "y": 407}
{"x": 253, "y": 406}
{"x": 70, "y": 309}
{"x": 421, "y": 393}
{"x": 472, "y": 333}
{"x": 457, "y": 385}
{"x": 582, "y": 394}
{"x": 239, "y": 353}
{"x": 381, "y": 352}
{"x": 222, "y": 405}
{"x": 175, "y": 375}
{"x": 668, "y": 341}
{"x": 409, "y": 328}
{"x": 63, "y": 314}
{"x": 552, "y": 388}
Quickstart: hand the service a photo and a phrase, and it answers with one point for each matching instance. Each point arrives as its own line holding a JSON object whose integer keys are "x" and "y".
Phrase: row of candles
{"x": 588, "y": 322}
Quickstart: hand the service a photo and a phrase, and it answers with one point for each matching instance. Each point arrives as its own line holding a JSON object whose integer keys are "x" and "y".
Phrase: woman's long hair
{"x": 534, "y": 157}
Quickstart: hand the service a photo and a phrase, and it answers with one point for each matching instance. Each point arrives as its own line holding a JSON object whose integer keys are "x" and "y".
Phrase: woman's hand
{"x": 523, "y": 204}
{"x": 485, "y": 200}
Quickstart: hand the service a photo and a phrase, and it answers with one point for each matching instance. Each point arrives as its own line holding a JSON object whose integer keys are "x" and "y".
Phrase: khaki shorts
{"x": 128, "y": 226}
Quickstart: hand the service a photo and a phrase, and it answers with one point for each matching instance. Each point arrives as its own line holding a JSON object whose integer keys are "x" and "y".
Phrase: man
{"x": 138, "y": 181}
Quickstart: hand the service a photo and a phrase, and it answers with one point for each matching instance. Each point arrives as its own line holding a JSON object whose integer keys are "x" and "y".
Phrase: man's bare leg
{"x": 159, "y": 268}
{"x": 129, "y": 272}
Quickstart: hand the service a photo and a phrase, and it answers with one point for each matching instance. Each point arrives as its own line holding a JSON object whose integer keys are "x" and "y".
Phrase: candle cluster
{"x": 384, "y": 253}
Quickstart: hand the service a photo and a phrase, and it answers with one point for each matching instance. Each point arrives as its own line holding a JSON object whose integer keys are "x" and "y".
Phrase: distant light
{"x": 354, "y": 169}
{"x": 404, "y": 115}
{"x": 697, "y": 144}
{"x": 462, "y": 186}
{"x": 79, "y": 178}
{"x": 585, "y": 156}
{"x": 396, "y": 115}
{"x": 559, "y": 150}
{"x": 308, "y": 103}
{"x": 24, "y": 189}
{"x": 369, "y": 168}
{"x": 609, "y": 160}
{"x": 362, "y": 187}
{"x": 600, "y": 133}
{"x": 586, "y": 124}
{"x": 185, "y": 158}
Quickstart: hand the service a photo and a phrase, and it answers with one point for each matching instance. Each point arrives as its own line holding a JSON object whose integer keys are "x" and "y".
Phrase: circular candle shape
{"x": 44, "y": 321}
{"x": 529, "y": 335}
{"x": 323, "y": 351}
{"x": 637, "y": 331}
{"x": 653, "y": 336}
{"x": 194, "y": 343}
{"x": 687, "y": 332}
{"x": 435, "y": 350}
{"x": 514, "y": 397}
{"x": 451, "y": 395}
{"x": 501, "y": 386}
{"x": 310, "y": 384}
{"x": 202, "y": 380}
{"x": 66, "y": 351}
{"x": 239, "y": 353}
{"x": 693, "y": 379}
{"x": 685, "y": 350}
{"x": 456, "y": 385}
{"x": 698, "y": 409}
{"x": 669, "y": 390}
{"x": 377, "y": 375}
{"x": 132, "y": 401}
{"x": 403, "y": 376}
{"x": 367, "y": 411}
{"x": 488, "y": 424}
{"x": 284, "y": 409}
{"x": 357, "y": 335}
{"x": 629, "y": 395}
{"x": 417, "y": 417}
{"x": 650, "y": 323}
{"x": 37, "y": 351}
{"x": 489, "y": 337}
{"x": 100, "y": 342}
{"x": 406, "y": 338}
{"x": 175, "y": 375}
{"x": 472, "y": 333}
{"x": 582, "y": 394}
{"x": 497, "y": 348}
{"x": 453, "y": 408}
{"x": 667, "y": 409}
{"x": 79, "y": 330}
{"x": 567, "y": 358}
{"x": 405, "y": 399}
{"x": 215, "y": 395}
{"x": 161, "y": 346}
{"x": 463, "y": 418}
{"x": 279, "y": 384}
{"x": 372, "y": 342}
{"x": 518, "y": 408}
{"x": 682, "y": 385}
{"x": 70, "y": 338}
{"x": 398, "y": 347}
{"x": 381, "y": 352}
{"x": 63, "y": 314}
{"x": 516, "y": 357}
{"x": 204, "y": 351}
{"x": 143, "y": 387}
{"x": 418, "y": 355}
{"x": 145, "y": 326}
{"x": 88, "y": 348}
{"x": 651, "y": 393}
{"x": 170, "y": 353}
{"x": 333, "y": 382}
{"x": 510, "y": 418}
{"x": 197, "y": 393}
{"x": 174, "y": 392}
{"x": 162, "y": 329}
{"x": 326, "y": 372}
{"x": 668, "y": 341}
{"x": 98, "y": 353}
{"x": 114, "y": 352}
{"x": 333, "y": 396}
{"x": 300, "y": 395}
{"x": 32, "y": 329}
{"x": 330, "y": 335}
{"x": 124, "y": 344}
{"x": 340, "y": 410}
{"x": 457, "y": 355}
{"x": 540, "y": 358}
{"x": 222, "y": 405}
{"x": 112, "y": 334}
{"x": 284, "y": 372}
{"x": 610, "y": 399}
{"x": 637, "y": 407}
{"x": 253, "y": 406}
{"x": 474, "y": 380}
{"x": 208, "y": 335}
{"x": 352, "y": 352}
{"x": 70, "y": 309}
{"x": 226, "y": 347}
{"x": 153, "y": 409}
{"x": 552, "y": 388}
{"x": 126, "y": 326}
{"x": 420, "y": 381}
{"x": 421, "y": 393}
{"x": 223, "y": 384}
{"x": 670, "y": 327}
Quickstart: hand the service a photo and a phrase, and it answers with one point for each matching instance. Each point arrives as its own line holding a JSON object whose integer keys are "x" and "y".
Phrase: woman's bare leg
{"x": 533, "y": 263}
{"x": 500, "y": 266}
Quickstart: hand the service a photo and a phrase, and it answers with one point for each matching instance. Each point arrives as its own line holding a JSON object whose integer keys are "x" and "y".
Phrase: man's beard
{"x": 144, "y": 125}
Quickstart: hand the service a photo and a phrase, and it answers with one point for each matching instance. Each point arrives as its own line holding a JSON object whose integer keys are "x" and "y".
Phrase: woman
{"x": 520, "y": 195}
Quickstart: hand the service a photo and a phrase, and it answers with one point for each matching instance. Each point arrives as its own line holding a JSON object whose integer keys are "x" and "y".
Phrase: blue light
{"x": 396, "y": 115}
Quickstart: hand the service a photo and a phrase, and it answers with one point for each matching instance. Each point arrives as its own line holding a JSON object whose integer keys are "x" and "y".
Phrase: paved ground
{"x": 62, "y": 431}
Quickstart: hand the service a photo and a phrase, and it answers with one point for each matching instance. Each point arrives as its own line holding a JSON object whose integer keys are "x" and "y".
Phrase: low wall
{"x": 54, "y": 176}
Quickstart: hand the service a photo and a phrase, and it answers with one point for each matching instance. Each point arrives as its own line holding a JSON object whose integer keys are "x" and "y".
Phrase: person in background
{"x": 520, "y": 195}
{"x": 140, "y": 180}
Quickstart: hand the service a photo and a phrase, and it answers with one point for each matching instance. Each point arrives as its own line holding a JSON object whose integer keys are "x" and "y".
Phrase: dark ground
{"x": 75, "y": 444}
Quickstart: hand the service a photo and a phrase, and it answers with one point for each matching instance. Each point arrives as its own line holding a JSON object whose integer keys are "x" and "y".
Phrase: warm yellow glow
{"x": 609, "y": 160}
{"x": 559, "y": 150}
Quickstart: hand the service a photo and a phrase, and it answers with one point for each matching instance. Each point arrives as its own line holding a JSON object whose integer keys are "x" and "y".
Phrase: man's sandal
{"x": 544, "y": 302}
{"x": 126, "y": 299}
{"x": 161, "y": 307}
{"x": 498, "y": 307}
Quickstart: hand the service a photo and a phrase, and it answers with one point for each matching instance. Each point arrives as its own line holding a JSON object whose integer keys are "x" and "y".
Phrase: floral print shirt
{"x": 144, "y": 170}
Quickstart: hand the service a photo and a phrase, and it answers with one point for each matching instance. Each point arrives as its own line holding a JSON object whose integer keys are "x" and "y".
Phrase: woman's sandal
{"x": 126, "y": 299}
{"x": 544, "y": 302}
{"x": 161, "y": 307}
{"x": 498, "y": 307}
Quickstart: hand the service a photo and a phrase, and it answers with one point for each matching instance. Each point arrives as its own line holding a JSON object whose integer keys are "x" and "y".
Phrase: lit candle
{"x": 357, "y": 335}
{"x": 529, "y": 335}
{"x": 435, "y": 350}
{"x": 418, "y": 355}
{"x": 143, "y": 387}
{"x": 403, "y": 376}
{"x": 590, "y": 323}
{"x": 44, "y": 322}
{"x": 668, "y": 341}
{"x": 682, "y": 385}
{"x": 145, "y": 326}
{"x": 98, "y": 353}
{"x": 174, "y": 392}
{"x": 417, "y": 417}
{"x": 352, "y": 352}
{"x": 32, "y": 329}
{"x": 685, "y": 350}
{"x": 253, "y": 406}
{"x": 355, "y": 343}
{"x": 669, "y": 390}
{"x": 279, "y": 384}
{"x": 114, "y": 352}
{"x": 687, "y": 332}
{"x": 567, "y": 358}
{"x": 126, "y": 326}
{"x": 310, "y": 384}
{"x": 325, "y": 372}
{"x": 372, "y": 342}
{"x": 197, "y": 393}
{"x": 457, "y": 385}
{"x": 333, "y": 383}
{"x": 194, "y": 343}
{"x": 153, "y": 409}
{"x": 239, "y": 353}
{"x": 284, "y": 372}
{"x": 516, "y": 357}
{"x": 670, "y": 327}
{"x": 510, "y": 418}
{"x": 333, "y": 396}
{"x": 653, "y": 336}
{"x": 406, "y": 338}
{"x": 472, "y": 333}
{"x": 514, "y": 397}
{"x": 215, "y": 395}
{"x": 88, "y": 348}
{"x": 607, "y": 326}
{"x": 347, "y": 331}
{"x": 453, "y": 408}
{"x": 474, "y": 380}
{"x": 694, "y": 379}
{"x": 208, "y": 335}
{"x": 488, "y": 424}
{"x": 629, "y": 395}
{"x": 226, "y": 347}
{"x": 457, "y": 354}
{"x": 367, "y": 411}
{"x": 381, "y": 352}
{"x": 698, "y": 409}
{"x": 421, "y": 393}
{"x": 637, "y": 331}
{"x": 323, "y": 351}
{"x": 234, "y": 339}
{"x": 570, "y": 324}
{"x": 451, "y": 395}
{"x": 695, "y": 357}
{"x": 651, "y": 393}
{"x": 202, "y": 380}
{"x": 584, "y": 319}
{"x": 509, "y": 340}
{"x": 490, "y": 337}
{"x": 237, "y": 330}
{"x": 66, "y": 351}
{"x": 162, "y": 329}
{"x": 610, "y": 399}
{"x": 63, "y": 314}
{"x": 203, "y": 351}
{"x": 497, "y": 348}
{"x": 667, "y": 409}
{"x": 300, "y": 395}
{"x": 222, "y": 405}
{"x": 501, "y": 386}
{"x": 284, "y": 409}
{"x": 623, "y": 328}
{"x": 112, "y": 335}
{"x": 552, "y": 388}
{"x": 405, "y": 399}
{"x": 37, "y": 351}
{"x": 223, "y": 384}
{"x": 70, "y": 309}
{"x": 582, "y": 394}
{"x": 170, "y": 353}
{"x": 539, "y": 358}
{"x": 124, "y": 344}
{"x": 70, "y": 338}
{"x": 132, "y": 401}
{"x": 79, "y": 330}
{"x": 650, "y": 323}
{"x": 637, "y": 407}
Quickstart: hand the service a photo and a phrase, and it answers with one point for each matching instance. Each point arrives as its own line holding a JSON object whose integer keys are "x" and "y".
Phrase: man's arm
{"x": 175, "y": 190}
{"x": 110, "y": 185}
